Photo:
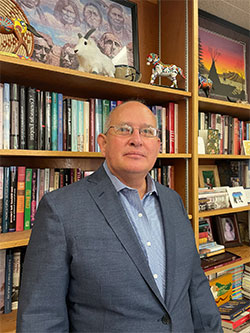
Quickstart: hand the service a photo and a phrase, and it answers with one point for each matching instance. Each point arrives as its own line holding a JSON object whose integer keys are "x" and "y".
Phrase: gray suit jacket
{"x": 85, "y": 271}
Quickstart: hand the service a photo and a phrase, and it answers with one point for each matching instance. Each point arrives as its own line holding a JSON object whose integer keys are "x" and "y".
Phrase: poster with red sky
{"x": 222, "y": 60}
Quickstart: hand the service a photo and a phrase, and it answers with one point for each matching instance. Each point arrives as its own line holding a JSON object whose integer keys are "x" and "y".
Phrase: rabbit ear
{"x": 89, "y": 33}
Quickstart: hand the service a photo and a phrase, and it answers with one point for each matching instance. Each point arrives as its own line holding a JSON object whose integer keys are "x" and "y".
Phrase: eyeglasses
{"x": 126, "y": 130}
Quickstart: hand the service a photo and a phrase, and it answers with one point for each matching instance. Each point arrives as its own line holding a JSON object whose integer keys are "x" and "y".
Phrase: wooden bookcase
{"x": 179, "y": 44}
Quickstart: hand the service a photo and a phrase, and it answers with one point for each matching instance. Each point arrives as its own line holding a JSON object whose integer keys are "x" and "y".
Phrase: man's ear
{"x": 102, "y": 141}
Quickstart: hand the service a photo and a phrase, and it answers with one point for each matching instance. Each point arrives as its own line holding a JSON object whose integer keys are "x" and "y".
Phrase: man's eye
{"x": 124, "y": 130}
{"x": 148, "y": 131}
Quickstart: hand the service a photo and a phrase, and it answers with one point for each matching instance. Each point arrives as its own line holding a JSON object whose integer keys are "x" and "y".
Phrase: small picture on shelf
{"x": 237, "y": 196}
{"x": 228, "y": 230}
{"x": 208, "y": 176}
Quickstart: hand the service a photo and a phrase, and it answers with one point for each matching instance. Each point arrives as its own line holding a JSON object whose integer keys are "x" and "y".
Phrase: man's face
{"x": 92, "y": 16}
{"x": 68, "y": 15}
{"x": 41, "y": 50}
{"x": 133, "y": 154}
{"x": 68, "y": 58}
{"x": 111, "y": 47}
{"x": 116, "y": 18}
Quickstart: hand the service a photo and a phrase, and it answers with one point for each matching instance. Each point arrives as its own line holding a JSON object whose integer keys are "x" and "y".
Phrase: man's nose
{"x": 135, "y": 138}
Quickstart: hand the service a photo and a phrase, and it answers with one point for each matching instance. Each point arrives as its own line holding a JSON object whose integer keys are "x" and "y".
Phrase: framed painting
{"x": 59, "y": 23}
{"x": 209, "y": 176}
{"x": 237, "y": 196}
{"x": 228, "y": 230}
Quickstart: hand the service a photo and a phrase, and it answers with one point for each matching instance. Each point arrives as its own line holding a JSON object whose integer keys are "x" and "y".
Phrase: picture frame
{"x": 237, "y": 196}
{"x": 240, "y": 37}
{"x": 60, "y": 22}
{"x": 228, "y": 230}
{"x": 246, "y": 146}
{"x": 208, "y": 176}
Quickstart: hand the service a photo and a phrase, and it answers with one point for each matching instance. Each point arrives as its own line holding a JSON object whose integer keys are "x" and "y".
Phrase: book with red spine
{"x": 170, "y": 111}
{"x": 21, "y": 170}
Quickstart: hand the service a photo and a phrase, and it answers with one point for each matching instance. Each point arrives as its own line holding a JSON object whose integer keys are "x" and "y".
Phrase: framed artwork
{"x": 224, "y": 57}
{"x": 237, "y": 196}
{"x": 223, "y": 60}
{"x": 246, "y": 146}
{"x": 208, "y": 176}
{"x": 228, "y": 230}
{"x": 59, "y": 23}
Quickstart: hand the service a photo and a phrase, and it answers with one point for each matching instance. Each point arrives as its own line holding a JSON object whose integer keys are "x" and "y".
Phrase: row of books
{"x": 234, "y": 173}
{"x": 11, "y": 263}
{"x": 223, "y": 134}
{"x": 34, "y": 119}
{"x": 22, "y": 188}
{"x": 164, "y": 175}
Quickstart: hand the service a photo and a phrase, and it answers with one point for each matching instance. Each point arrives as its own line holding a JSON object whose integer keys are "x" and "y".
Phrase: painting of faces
{"x": 60, "y": 21}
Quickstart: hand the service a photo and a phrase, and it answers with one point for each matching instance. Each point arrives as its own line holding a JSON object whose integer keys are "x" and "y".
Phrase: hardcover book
{"x": 20, "y": 198}
{"x": 14, "y": 114}
{"x": 219, "y": 260}
{"x": 31, "y": 114}
{"x": 221, "y": 288}
{"x": 22, "y": 117}
{"x": 233, "y": 308}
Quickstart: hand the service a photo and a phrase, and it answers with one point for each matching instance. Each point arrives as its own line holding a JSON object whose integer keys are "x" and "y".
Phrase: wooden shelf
{"x": 14, "y": 239}
{"x": 8, "y": 322}
{"x": 243, "y": 251}
{"x": 220, "y": 156}
{"x": 224, "y": 107}
{"x": 87, "y": 85}
{"x": 223, "y": 211}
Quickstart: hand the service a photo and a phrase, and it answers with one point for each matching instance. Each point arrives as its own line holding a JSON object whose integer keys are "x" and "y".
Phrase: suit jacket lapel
{"x": 170, "y": 242}
{"x": 104, "y": 192}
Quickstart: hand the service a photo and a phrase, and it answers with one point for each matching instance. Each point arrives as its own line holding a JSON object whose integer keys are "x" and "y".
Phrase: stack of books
{"x": 219, "y": 260}
{"x": 246, "y": 281}
{"x": 215, "y": 198}
{"x": 236, "y": 273}
{"x": 235, "y": 316}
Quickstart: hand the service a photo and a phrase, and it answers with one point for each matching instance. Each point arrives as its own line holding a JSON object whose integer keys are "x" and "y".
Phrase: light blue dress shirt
{"x": 146, "y": 219}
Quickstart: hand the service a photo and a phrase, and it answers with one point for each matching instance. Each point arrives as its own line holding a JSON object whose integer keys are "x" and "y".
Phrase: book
{"x": 13, "y": 198}
{"x": 1, "y": 115}
{"x": 1, "y": 196}
{"x": 60, "y": 122}
{"x": 22, "y": 117}
{"x": 221, "y": 288}
{"x": 27, "y": 200}
{"x": 86, "y": 125}
{"x": 8, "y": 281}
{"x": 74, "y": 125}
{"x": 92, "y": 125}
{"x": 33, "y": 197}
{"x": 98, "y": 121}
{"x": 20, "y": 198}
{"x": 47, "y": 134}
{"x": 6, "y": 200}
{"x": 14, "y": 116}
{"x": 80, "y": 126}
{"x": 31, "y": 113}
{"x": 6, "y": 116}
{"x": 16, "y": 278}
{"x": 2, "y": 279}
{"x": 68, "y": 123}
{"x": 171, "y": 127}
{"x": 40, "y": 120}
{"x": 233, "y": 308}
{"x": 219, "y": 260}
{"x": 54, "y": 121}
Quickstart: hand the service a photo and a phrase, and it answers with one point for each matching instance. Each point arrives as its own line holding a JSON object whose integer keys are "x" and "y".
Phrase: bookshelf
{"x": 176, "y": 34}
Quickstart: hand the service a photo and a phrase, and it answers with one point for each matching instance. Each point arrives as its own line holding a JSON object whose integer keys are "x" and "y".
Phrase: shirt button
{"x": 165, "y": 319}
{"x": 140, "y": 214}
{"x": 155, "y": 276}
{"x": 148, "y": 243}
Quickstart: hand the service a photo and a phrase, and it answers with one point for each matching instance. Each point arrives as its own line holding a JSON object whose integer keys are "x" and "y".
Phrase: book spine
{"x": 14, "y": 112}
{"x": 98, "y": 121}
{"x": 20, "y": 198}
{"x": 46, "y": 180}
{"x": 92, "y": 125}
{"x": 74, "y": 125}
{"x": 65, "y": 127}
{"x": 171, "y": 127}
{"x": 86, "y": 125}
{"x": 6, "y": 200}
{"x": 54, "y": 119}
{"x": 112, "y": 105}
{"x": 27, "y": 201}
{"x": 69, "y": 123}
{"x": 38, "y": 172}
{"x": 41, "y": 120}
{"x": 6, "y": 116}
{"x": 8, "y": 281}
{"x": 176, "y": 126}
{"x": 60, "y": 122}
{"x": 1, "y": 196}
{"x": 1, "y": 115}
{"x": 2, "y": 278}
{"x": 22, "y": 117}
{"x": 105, "y": 110}
{"x": 16, "y": 278}
{"x": 42, "y": 184}
{"x": 33, "y": 197}
{"x": 47, "y": 120}
{"x": 80, "y": 126}
{"x": 31, "y": 105}
{"x": 13, "y": 198}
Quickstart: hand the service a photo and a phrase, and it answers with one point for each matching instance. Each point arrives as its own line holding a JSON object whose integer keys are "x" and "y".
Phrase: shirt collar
{"x": 151, "y": 188}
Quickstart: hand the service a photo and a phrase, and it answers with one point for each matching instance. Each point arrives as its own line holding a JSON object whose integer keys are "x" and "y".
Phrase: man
{"x": 109, "y": 45}
{"x": 68, "y": 58}
{"x": 42, "y": 49}
{"x": 115, "y": 251}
